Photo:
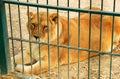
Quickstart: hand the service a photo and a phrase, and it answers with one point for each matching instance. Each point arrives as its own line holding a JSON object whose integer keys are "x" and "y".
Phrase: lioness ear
{"x": 30, "y": 14}
{"x": 53, "y": 17}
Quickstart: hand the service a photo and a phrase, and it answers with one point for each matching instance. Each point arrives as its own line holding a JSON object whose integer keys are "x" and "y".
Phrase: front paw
{"x": 22, "y": 68}
{"x": 12, "y": 64}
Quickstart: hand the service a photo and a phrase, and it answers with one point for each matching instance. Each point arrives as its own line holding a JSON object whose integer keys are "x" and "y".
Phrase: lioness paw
{"x": 23, "y": 68}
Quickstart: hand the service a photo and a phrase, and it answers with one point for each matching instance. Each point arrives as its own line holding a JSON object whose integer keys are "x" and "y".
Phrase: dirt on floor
{"x": 102, "y": 62}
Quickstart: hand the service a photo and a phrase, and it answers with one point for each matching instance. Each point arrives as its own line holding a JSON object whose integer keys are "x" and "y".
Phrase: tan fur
{"x": 63, "y": 39}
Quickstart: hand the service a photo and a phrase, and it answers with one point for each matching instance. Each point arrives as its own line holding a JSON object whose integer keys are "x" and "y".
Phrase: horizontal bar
{"x": 70, "y": 47}
{"x": 62, "y": 8}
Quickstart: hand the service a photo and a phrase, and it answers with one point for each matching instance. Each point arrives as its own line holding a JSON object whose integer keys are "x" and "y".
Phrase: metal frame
{"x": 4, "y": 43}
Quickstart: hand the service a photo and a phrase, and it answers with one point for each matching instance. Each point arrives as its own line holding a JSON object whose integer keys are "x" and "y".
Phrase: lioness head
{"x": 43, "y": 26}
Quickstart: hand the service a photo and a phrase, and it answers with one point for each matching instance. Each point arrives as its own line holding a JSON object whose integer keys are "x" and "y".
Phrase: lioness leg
{"x": 19, "y": 58}
{"x": 35, "y": 68}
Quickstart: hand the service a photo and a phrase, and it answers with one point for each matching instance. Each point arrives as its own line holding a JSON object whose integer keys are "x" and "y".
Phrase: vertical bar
{"x": 78, "y": 41}
{"x": 100, "y": 44}
{"x": 13, "y": 62}
{"x": 29, "y": 39}
{"x": 112, "y": 40}
{"x": 58, "y": 41}
{"x": 48, "y": 40}
{"x": 4, "y": 43}
{"x": 21, "y": 37}
{"x": 68, "y": 41}
{"x": 39, "y": 39}
{"x": 89, "y": 40}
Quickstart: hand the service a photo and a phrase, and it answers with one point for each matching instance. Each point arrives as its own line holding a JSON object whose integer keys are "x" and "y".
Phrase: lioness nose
{"x": 36, "y": 37}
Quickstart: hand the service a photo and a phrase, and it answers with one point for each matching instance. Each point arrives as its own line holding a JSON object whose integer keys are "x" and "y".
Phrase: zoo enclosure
{"x": 4, "y": 39}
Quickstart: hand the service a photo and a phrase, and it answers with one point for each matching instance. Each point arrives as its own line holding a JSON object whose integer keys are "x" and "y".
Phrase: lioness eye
{"x": 33, "y": 24}
{"x": 45, "y": 28}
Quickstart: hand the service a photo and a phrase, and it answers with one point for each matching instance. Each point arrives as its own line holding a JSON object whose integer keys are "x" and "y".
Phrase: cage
{"x": 17, "y": 16}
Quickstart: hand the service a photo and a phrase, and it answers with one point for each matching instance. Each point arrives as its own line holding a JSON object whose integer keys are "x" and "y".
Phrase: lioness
{"x": 66, "y": 36}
